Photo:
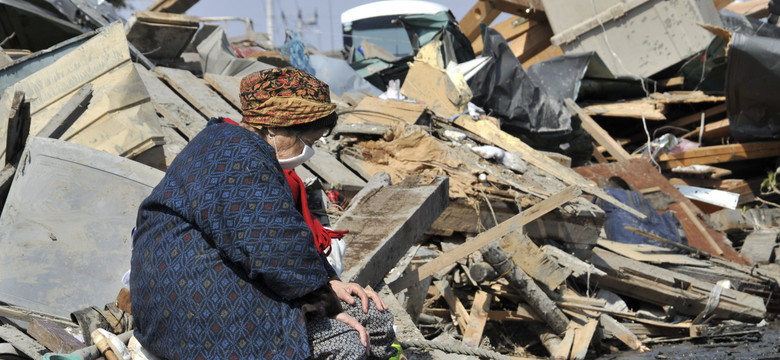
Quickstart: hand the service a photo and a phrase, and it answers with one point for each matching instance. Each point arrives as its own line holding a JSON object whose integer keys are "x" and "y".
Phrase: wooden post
{"x": 531, "y": 292}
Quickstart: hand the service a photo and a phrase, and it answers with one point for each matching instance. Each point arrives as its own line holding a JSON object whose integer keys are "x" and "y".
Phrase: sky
{"x": 324, "y": 35}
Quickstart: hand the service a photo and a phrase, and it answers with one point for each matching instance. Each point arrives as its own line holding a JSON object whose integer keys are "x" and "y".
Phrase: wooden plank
{"x": 479, "y": 315}
{"x": 532, "y": 260}
{"x": 228, "y": 86}
{"x": 458, "y": 312}
{"x": 650, "y": 254}
{"x": 636, "y": 109}
{"x": 27, "y": 315}
{"x": 599, "y": 134}
{"x": 373, "y": 110}
{"x": 172, "y": 6}
{"x": 482, "y": 12}
{"x": 20, "y": 341}
{"x": 336, "y": 175}
{"x": 665, "y": 287}
{"x": 754, "y": 8}
{"x": 564, "y": 348}
{"x": 582, "y": 339}
{"x": 621, "y": 332}
{"x": 172, "y": 107}
{"x": 68, "y": 114}
{"x": 195, "y": 91}
{"x": 383, "y": 229}
{"x": 166, "y": 18}
{"x": 712, "y": 132}
{"x": 497, "y": 137}
{"x": 720, "y": 154}
{"x": 485, "y": 238}
{"x": 53, "y": 337}
{"x": 640, "y": 175}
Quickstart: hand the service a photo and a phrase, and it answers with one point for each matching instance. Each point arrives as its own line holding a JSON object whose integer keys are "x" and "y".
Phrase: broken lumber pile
{"x": 477, "y": 230}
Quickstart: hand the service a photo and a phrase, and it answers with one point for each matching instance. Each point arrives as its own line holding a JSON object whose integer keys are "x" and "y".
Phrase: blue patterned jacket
{"x": 220, "y": 255}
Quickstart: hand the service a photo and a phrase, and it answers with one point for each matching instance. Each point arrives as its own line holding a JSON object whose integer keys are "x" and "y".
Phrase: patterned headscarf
{"x": 283, "y": 97}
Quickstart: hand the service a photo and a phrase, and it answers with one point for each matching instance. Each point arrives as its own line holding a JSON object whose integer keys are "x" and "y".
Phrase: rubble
{"x": 457, "y": 183}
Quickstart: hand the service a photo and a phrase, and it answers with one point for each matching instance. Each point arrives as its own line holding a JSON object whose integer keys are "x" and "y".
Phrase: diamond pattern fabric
{"x": 220, "y": 254}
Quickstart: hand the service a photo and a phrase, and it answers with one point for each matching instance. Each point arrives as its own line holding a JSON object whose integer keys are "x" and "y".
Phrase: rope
{"x": 453, "y": 348}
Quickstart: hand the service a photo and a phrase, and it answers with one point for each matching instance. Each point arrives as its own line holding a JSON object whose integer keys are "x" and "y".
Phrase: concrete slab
{"x": 65, "y": 228}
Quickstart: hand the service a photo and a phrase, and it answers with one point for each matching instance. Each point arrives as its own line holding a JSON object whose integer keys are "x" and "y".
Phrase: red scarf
{"x": 322, "y": 236}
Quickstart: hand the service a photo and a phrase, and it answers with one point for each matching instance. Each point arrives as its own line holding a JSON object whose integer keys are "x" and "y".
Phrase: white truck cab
{"x": 374, "y": 22}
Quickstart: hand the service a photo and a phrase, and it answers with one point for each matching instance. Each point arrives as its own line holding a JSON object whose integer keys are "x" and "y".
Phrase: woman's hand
{"x": 349, "y": 320}
{"x": 345, "y": 291}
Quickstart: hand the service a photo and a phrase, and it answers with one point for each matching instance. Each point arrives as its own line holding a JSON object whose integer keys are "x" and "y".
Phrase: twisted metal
{"x": 452, "y": 348}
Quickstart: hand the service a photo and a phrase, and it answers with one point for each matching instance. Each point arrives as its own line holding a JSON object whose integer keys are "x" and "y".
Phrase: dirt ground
{"x": 750, "y": 342}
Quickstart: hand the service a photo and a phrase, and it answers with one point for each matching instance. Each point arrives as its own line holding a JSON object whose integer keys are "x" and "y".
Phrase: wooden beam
{"x": 510, "y": 29}
{"x": 383, "y": 229}
{"x": 68, "y": 114}
{"x": 531, "y": 9}
{"x": 532, "y": 260}
{"x": 336, "y": 175}
{"x": 720, "y": 154}
{"x": 485, "y": 238}
{"x": 660, "y": 286}
{"x": 526, "y": 286}
{"x": 483, "y": 12}
{"x": 479, "y": 315}
{"x": 172, "y": 107}
{"x": 599, "y": 134}
{"x": 205, "y": 100}
{"x": 172, "y": 6}
{"x": 533, "y": 41}
{"x": 497, "y": 137}
{"x": 227, "y": 86}
{"x": 53, "y": 337}
{"x": 20, "y": 341}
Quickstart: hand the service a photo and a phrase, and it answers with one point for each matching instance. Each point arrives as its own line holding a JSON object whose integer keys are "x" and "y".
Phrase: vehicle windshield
{"x": 382, "y": 32}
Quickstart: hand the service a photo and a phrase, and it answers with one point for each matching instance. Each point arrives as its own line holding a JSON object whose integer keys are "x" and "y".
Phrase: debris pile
{"x": 568, "y": 186}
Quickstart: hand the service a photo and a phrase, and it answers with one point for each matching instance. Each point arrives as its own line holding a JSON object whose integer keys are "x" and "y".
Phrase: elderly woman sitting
{"x": 227, "y": 261}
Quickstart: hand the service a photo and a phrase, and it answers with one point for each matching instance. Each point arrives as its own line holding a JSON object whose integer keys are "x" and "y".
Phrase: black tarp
{"x": 752, "y": 91}
{"x": 509, "y": 93}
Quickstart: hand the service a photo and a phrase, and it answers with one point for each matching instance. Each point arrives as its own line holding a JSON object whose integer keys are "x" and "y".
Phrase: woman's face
{"x": 289, "y": 144}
